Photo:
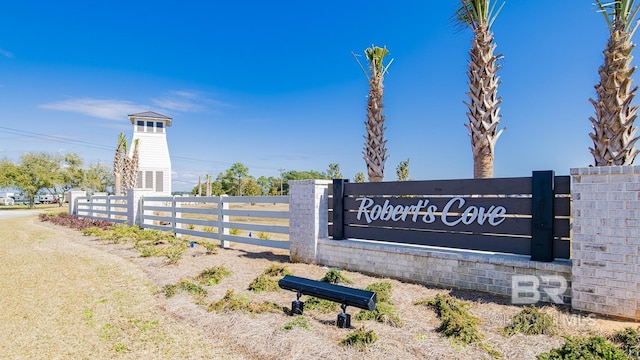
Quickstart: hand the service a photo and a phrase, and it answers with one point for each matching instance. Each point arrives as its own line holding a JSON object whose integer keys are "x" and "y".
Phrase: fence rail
{"x": 256, "y": 220}
{"x": 103, "y": 207}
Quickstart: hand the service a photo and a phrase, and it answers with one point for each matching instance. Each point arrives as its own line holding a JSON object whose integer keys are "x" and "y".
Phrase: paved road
{"x": 8, "y": 214}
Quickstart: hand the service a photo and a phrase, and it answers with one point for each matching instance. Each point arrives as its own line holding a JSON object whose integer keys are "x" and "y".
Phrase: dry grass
{"x": 69, "y": 296}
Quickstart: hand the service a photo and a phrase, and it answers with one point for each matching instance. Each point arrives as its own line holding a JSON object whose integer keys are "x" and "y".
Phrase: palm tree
{"x": 131, "y": 167}
{"x": 375, "y": 149}
{"x": 613, "y": 131}
{"x": 484, "y": 104}
{"x": 117, "y": 164}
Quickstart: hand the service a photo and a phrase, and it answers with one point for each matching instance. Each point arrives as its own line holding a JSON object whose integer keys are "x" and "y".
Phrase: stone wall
{"x": 606, "y": 240}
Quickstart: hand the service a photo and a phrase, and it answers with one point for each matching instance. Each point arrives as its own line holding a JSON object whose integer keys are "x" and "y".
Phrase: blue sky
{"x": 274, "y": 85}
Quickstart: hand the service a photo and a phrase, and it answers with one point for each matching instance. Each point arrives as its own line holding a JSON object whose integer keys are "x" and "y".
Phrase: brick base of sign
{"x": 606, "y": 240}
{"x": 460, "y": 269}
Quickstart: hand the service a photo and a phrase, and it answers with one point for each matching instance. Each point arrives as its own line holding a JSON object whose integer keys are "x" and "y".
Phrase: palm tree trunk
{"x": 375, "y": 148}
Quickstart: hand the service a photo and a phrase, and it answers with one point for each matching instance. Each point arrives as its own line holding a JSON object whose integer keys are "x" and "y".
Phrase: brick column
{"x": 308, "y": 218}
{"x": 606, "y": 240}
{"x": 73, "y": 200}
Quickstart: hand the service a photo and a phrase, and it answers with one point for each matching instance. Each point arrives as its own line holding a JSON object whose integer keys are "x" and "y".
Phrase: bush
{"x": 530, "y": 321}
{"x": 233, "y": 302}
{"x": 212, "y": 276}
{"x": 268, "y": 280}
{"x": 334, "y": 276}
{"x": 456, "y": 322}
{"x": 187, "y": 286}
{"x": 629, "y": 341}
{"x": 385, "y": 312}
{"x": 595, "y": 347}
{"x": 321, "y": 305}
{"x": 299, "y": 321}
{"x": 360, "y": 338}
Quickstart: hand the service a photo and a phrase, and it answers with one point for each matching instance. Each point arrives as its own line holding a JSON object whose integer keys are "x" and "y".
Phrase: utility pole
{"x": 281, "y": 180}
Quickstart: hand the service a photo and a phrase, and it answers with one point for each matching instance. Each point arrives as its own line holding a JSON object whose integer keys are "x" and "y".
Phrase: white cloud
{"x": 105, "y": 109}
{"x": 187, "y": 101}
{"x": 6, "y": 53}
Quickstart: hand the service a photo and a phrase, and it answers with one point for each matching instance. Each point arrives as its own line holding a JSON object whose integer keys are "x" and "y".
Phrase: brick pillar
{"x": 308, "y": 218}
{"x": 134, "y": 199}
{"x": 73, "y": 200}
{"x": 606, "y": 240}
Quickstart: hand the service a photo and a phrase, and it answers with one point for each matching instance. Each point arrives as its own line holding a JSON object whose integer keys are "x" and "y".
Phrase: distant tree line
{"x": 42, "y": 172}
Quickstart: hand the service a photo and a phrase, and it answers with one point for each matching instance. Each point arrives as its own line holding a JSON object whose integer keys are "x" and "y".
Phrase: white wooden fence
{"x": 256, "y": 220}
{"x": 103, "y": 207}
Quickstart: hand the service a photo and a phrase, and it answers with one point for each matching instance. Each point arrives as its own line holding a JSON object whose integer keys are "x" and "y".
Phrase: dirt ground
{"x": 69, "y": 296}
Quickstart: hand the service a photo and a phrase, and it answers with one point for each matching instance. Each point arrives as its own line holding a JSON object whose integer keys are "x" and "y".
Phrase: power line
{"x": 60, "y": 139}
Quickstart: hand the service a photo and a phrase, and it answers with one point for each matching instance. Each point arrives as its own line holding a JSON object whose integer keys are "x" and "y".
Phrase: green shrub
{"x": 456, "y": 322}
{"x": 187, "y": 286}
{"x": 530, "y": 321}
{"x": 233, "y": 302}
{"x": 264, "y": 283}
{"x": 321, "y": 305}
{"x": 264, "y": 236}
{"x": 209, "y": 246}
{"x": 268, "y": 280}
{"x": 360, "y": 338}
{"x": 234, "y": 232}
{"x": 629, "y": 341}
{"x": 212, "y": 276}
{"x": 382, "y": 290}
{"x": 334, "y": 276}
{"x": 595, "y": 347}
{"x": 299, "y": 321}
{"x": 384, "y": 313}
{"x": 210, "y": 229}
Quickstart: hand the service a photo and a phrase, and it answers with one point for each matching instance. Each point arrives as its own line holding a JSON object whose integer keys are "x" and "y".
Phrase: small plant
{"x": 321, "y": 305}
{"x": 277, "y": 270}
{"x": 75, "y": 222}
{"x": 264, "y": 283}
{"x": 299, "y": 321}
{"x": 530, "y": 321}
{"x": 209, "y": 246}
{"x": 456, "y": 322}
{"x": 187, "y": 286}
{"x": 382, "y": 290}
{"x": 190, "y": 226}
{"x": 595, "y": 347}
{"x": 360, "y": 338}
{"x": 629, "y": 341}
{"x": 234, "y": 232}
{"x": 268, "y": 280}
{"x": 210, "y": 229}
{"x": 334, "y": 276}
{"x": 233, "y": 302}
{"x": 264, "y": 236}
{"x": 212, "y": 276}
{"x": 385, "y": 312}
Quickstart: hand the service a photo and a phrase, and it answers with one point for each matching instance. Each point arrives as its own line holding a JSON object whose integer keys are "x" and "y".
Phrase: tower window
{"x": 159, "y": 127}
{"x": 149, "y": 126}
{"x": 140, "y": 126}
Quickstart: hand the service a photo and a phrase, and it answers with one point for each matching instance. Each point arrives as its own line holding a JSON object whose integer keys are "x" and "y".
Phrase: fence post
{"x": 542, "y": 195}
{"x": 73, "y": 201}
{"x": 222, "y": 219}
{"x": 108, "y": 205}
{"x": 338, "y": 208}
{"x": 175, "y": 214}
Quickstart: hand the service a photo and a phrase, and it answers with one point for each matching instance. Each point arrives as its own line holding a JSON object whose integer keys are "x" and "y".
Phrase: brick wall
{"x": 472, "y": 270}
{"x": 606, "y": 240}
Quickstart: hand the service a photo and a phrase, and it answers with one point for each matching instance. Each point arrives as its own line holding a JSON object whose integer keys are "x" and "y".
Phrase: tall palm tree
{"x": 613, "y": 131}
{"x": 118, "y": 164}
{"x": 131, "y": 167}
{"x": 484, "y": 102}
{"x": 375, "y": 146}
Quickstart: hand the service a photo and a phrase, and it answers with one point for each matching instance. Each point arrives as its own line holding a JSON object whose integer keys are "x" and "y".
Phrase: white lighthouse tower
{"x": 154, "y": 164}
